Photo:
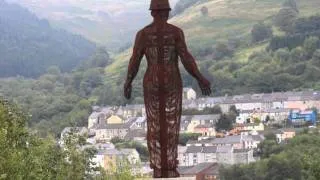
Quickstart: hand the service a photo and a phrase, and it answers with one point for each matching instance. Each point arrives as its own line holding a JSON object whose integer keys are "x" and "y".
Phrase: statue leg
{"x": 153, "y": 131}
{"x": 173, "y": 106}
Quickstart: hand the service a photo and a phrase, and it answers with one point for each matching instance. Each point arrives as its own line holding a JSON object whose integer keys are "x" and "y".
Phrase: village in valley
{"x": 214, "y": 131}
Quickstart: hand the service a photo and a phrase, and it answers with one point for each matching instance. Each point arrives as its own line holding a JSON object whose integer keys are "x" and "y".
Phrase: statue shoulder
{"x": 175, "y": 28}
{"x": 147, "y": 28}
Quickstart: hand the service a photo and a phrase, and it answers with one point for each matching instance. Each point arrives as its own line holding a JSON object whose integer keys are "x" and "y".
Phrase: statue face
{"x": 160, "y": 14}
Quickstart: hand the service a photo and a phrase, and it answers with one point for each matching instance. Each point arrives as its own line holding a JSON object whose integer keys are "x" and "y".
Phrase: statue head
{"x": 160, "y": 9}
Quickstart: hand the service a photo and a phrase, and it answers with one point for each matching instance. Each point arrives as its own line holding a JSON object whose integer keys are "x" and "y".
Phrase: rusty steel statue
{"x": 162, "y": 43}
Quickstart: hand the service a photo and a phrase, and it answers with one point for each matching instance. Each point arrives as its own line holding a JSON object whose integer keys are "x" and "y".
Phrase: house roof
{"x": 213, "y": 170}
{"x": 204, "y": 126}
{"x": 209, "y": 149}
{"x": 128, "y": 151}
{"x": 227, "y": 140}
{"x": 241, "y": 150}
{"x": 141, "y": 119}
{"x": 104, "y": 146}
{"x": 182, "y": 149}
{"x": 109, "y": 152}
{"x": 224, "y": 149}
{"x": 194, "y": 169}
{"x": 258, "y": 137}
{"x": 104, "y": 125}
{"x": 94, "y": 115}
{"x": 201, "y": 149}
{"x": 134, "y": 106}
{"x": 135, "y": 133}
{"x": 193, "y": 142}
{"x": 206, "y": 117}
{"x": 194, "y": 149}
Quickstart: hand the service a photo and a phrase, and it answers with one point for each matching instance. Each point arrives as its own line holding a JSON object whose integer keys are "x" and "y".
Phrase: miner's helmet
{"x": 160, "y": 5}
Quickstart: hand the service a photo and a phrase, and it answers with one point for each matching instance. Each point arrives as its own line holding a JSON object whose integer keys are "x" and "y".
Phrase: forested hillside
{"x": 243, "y": 46}
{"x": 107, "y": 22}
{"x": 56, "y": 99}
{"x": 28, "y": 45}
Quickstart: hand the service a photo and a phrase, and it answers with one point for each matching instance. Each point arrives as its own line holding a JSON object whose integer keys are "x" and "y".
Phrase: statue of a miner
{"x": 162, "y": 43}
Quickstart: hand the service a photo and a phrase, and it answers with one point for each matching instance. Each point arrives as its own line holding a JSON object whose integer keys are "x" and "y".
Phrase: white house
{"x": 226, "y": 154}
{"x": 189, "y": 93}
{"x": 132, "y": 155}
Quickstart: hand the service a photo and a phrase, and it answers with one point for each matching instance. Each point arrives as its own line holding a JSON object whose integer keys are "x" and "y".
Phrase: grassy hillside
{"x": 226, "y": 19}
{"x": 229, "y": 18}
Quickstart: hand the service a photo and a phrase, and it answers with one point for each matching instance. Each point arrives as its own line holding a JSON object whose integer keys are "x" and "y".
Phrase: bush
{"x": 285, "y": 19}
{"x": 261, "y": 32}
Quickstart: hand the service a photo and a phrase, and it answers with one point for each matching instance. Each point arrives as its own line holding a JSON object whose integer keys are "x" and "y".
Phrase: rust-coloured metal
{"x": 162, "y": 43}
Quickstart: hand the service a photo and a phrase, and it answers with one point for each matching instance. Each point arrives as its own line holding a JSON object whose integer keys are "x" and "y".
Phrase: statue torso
{"x": 161, "y": 54}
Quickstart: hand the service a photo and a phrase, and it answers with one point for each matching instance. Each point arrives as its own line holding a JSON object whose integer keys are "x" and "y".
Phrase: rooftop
{"x": 195, "y": 169}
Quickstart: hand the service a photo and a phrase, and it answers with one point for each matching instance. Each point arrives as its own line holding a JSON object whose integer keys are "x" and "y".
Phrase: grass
{"x": 244, "y": 54}
{"x": 226, "y": 19}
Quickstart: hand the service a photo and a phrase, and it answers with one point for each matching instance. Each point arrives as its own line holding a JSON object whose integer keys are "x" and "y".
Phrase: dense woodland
{"x": 29, "y": 45}
{"x": 56, "y": 100}
{"x": 297, "y": 160}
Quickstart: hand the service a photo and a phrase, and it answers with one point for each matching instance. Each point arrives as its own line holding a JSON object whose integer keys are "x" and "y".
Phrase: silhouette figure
{"x": 162, "y": 43}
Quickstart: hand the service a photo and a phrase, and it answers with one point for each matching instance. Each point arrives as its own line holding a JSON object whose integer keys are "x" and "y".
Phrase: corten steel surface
{"x": 162, "y": 43}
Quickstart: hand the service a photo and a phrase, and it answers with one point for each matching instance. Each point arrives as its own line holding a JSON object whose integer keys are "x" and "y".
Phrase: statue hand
{"x": 205, "y": 86}
{"x": 127, "y": 88}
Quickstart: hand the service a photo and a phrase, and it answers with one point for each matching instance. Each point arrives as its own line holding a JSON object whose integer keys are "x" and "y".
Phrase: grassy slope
{"x": 226, "y": 18}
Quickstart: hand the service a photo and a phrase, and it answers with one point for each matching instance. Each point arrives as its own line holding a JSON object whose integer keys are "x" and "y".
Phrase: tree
{"x": 221, "y": 50}
{"x": 54, "y": 70}
{"x": 281, "y": 167}
{"x": 261, "y": 32}
{"x": 233, "y": 109}
{"x": 267, "y": 119}
{"x": 185, "y": 137}
{"x": 91, "y": 79}
{"x": 224, "y": 123}
{"x": 257, "y": 120}
{"x": 316, "y": 57}
{"x": 285, "y": 19}
{"x": 26, "y": 156}
{"x": 269, "y": 147}
{"x": 307, "y": 25}
{"x": 216, "y": 109}
{"x": 291, "y": 4}
{"x": 100, "y": 59}
{"x": 310, "y": 45}
{"x": 283, "y": 54}
{"x": 204, "y": 11}
{"x": 298, "y": 159}
{"x": 298, "y": 54}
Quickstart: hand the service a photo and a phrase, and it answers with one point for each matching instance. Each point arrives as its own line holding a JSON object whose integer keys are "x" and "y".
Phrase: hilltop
{"x": 229, "y": 23}
{"x": 29, "y": 45}
{"x": 109, "y": 23}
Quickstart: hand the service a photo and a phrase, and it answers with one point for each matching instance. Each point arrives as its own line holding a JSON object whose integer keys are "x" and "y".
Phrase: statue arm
{"x": 136, "y": 57}
{"x": 187, "y": 59}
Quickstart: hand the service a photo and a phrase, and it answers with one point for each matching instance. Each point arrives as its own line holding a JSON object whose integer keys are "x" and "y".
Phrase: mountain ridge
{"x": 29, "y": 45}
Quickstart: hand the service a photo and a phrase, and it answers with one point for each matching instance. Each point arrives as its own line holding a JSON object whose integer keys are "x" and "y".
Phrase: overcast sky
{"x": 111, "y": 6}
